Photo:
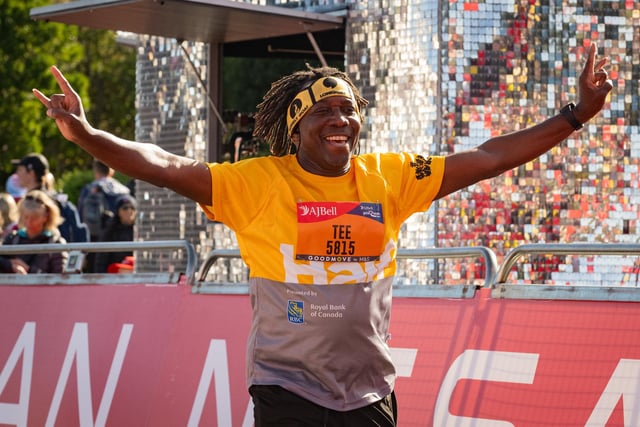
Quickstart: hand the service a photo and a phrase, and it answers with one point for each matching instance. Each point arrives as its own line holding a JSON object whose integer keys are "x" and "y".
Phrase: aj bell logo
{"x": 318, "y": 211}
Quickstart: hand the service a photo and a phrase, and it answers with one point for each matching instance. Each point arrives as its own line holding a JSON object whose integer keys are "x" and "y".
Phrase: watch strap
{"x": 567, "y": 112}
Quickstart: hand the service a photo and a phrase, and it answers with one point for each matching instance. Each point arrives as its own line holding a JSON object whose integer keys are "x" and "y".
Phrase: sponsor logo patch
{"x": 295, "y": 311}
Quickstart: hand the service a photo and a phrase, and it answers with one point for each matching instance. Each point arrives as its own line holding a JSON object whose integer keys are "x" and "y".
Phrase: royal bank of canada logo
{"x": 295, "y": 311}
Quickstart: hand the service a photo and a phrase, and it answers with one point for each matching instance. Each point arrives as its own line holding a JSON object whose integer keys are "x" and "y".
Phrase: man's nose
{"x": 339, "y": 118}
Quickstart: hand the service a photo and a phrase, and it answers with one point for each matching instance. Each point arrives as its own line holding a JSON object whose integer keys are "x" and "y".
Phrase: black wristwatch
{"x": 567, "y": 112}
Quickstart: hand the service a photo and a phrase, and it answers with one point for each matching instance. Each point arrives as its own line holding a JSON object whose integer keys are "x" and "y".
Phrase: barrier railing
{"x": 79, "y": 249}
{"x": 495, "y": 278}
{"x": 501, "y": 289}
{"x": 436, "y": 290}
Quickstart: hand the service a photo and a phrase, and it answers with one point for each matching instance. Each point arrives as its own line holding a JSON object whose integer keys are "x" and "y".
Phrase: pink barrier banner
{"x": 147, "y": 355}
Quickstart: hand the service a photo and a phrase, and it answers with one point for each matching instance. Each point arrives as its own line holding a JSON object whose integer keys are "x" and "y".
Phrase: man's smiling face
{"x": 327, "y": 136}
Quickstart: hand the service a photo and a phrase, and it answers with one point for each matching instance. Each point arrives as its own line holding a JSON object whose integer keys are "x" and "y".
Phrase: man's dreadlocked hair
{"x": 271, "y": 117}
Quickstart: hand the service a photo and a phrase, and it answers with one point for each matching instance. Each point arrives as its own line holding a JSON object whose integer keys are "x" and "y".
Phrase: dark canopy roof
{"x": 209, "y": 21}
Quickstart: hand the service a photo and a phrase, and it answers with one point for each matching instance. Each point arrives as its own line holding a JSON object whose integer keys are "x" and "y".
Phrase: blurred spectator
{"x": 8, "y": 214}
{"x": 13, "y": 187}
{"x": 97, "y": 204}
{"x": 39, "y": 217}
{"x": 49, "y": 182}
{"x": 97, "y": 201}
{"x": 118, "y": 229}
{"x": 33, "y": 174}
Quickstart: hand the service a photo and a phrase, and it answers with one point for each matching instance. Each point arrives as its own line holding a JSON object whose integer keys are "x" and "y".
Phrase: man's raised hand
{"x": 65, "y": 108}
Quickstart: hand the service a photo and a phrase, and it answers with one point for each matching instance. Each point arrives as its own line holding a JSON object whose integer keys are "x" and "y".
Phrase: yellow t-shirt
{"x": 297, "y": 227}
{"x": 300, "y": 234}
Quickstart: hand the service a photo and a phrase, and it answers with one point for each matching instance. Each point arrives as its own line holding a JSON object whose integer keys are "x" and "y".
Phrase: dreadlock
{"x": 270, "y": 119}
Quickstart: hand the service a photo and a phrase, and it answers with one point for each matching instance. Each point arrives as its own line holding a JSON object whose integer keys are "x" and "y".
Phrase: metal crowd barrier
{"x": 436, "y": 291}
{"x": 74, "y": 277}
{"x": 497, "y": 279}
{"x": 502, "y": 289}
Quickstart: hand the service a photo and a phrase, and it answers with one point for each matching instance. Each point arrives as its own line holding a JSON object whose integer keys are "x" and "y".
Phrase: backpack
{"x": 72, "y": 229}
{"x": 96, "y": 210}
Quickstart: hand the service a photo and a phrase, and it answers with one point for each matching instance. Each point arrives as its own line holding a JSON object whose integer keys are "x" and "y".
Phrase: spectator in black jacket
{"x": 39, "y": 217}
{"x": 119, "y": 228}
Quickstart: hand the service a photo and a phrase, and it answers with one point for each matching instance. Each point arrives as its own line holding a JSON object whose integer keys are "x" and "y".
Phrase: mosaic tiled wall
{"x": 444, "y": 76}
{"x": 504, "y": 65}
{"x": 171, "y": 112}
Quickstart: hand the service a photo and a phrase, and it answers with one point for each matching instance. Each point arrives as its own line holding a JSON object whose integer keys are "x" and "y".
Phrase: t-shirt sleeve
{"x": 422, "y": 181}
{"x": 238, "y": 192}
{"x": 411, "y": 181}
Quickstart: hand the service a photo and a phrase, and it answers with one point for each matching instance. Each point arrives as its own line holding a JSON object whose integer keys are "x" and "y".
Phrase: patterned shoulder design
{"x": 422, "y": 166}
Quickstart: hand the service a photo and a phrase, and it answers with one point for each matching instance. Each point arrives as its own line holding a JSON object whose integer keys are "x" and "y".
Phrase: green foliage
{"x": 28, "y": 49}
{"x": 110, "y": 68}
{"x": 71, "y": 183}
{"x": 109, "y": 71}
{"x": 94, "y": 63}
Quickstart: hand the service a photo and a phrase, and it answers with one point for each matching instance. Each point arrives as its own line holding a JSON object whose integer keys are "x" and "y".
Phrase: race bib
{"x": 339, "y": 231}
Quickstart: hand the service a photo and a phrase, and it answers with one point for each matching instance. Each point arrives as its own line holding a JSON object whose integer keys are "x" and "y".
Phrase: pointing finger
{"x": 62, "y": 81}
{"x": 42, "y": 98}
{"x": 588, "y": 67}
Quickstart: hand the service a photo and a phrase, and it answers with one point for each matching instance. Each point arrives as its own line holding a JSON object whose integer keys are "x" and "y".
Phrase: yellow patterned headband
{"x": 319, "y": 90}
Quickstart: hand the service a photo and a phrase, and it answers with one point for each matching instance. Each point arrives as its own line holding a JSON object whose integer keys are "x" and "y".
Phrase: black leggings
{"x": 277, "y": 407}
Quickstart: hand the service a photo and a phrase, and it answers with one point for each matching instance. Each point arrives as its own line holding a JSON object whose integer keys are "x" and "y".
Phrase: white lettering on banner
{"x": 625, "y": 383}
{"x": 248, "y": 415}
{"x": 403, "y": 360}
{"x": 345, "y": 271}
{"x": 482, "y": 365}
{"x": 78, "y": 349}
{"x": 16, "y": 413}
{"x": 215, "y": 362}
